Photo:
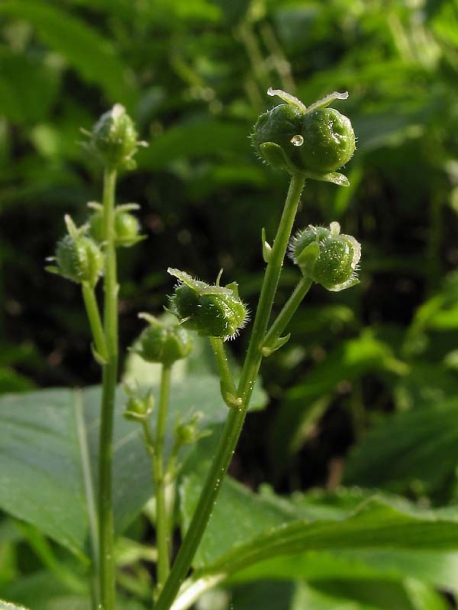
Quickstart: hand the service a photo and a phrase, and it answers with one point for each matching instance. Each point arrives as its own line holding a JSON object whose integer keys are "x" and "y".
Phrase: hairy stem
{"x": 110, "y": 374}
{"x": 236, "y": 417}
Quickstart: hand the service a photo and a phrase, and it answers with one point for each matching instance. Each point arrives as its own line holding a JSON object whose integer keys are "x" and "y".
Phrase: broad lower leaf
{"x": 260, "y": 536}
{"x": 48, "y": 447}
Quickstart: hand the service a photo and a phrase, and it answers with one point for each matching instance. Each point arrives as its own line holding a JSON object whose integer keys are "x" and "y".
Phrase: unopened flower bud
{"x": 138, "y": 408}
{"x": 326, "y": 256}
{"x": 79, "y": 259}
{"x": 163, "y": 343}
{"x": 114, "y": 138}
{"x": 213, "y": 311}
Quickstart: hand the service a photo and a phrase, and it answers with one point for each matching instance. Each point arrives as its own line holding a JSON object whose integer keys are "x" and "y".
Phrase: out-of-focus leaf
{"x": 234, "y": 10}
{"x": 203, "y": 138}
{"x": 425, "y": 385}
{"x": 94, "y": 57}
{"x": 267, "y": 595}
{"x": 28, "y": 87}
{"x": 348, "y": 361}
{"x": 43, "y": 591}
{"x": 413, "y": 446}
{"x": 377, "y": 594}
{"x": 305, "y": 403}
{"x": 10, "y": 381}
{"x": 445, "y": 23}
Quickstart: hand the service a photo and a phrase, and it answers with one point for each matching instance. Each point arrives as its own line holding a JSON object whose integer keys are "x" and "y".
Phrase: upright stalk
{"x": 110, "y": 374}
{"x": 236, "y": 417}
{"x": 162, "y": 520}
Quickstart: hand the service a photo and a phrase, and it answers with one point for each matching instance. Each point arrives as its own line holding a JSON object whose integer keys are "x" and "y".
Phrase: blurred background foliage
{"x": 370, "y": 375}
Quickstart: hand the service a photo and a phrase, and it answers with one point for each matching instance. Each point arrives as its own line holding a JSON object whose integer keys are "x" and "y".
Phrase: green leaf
{"x": 420, "y": 445}
{"x": 233, "y": 11}
{"x": 265, "y": 595}
{"x": 247, "y": 531}
{"x": 348, "y": 361}
{"x": 374, "y": 594}
{"x": 94, "y": 57}
{"x": 203, "y": 138}
{"x": 425, "y": 385}
{"x": 21, "y": 75}
{"x": 306, "y": 402}
{"x": 45, "y": 476}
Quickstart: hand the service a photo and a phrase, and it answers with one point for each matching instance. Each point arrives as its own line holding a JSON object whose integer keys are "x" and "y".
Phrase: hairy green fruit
{"x": 278, "y": 126}
{"x": 212, "y": 311}
{"x": 163, "y": 343}
{"x": 315, "y": 141}
{"x": 327, "y": 257}
{"x": 79, "y": 259}
{"x": 329, "y": 140}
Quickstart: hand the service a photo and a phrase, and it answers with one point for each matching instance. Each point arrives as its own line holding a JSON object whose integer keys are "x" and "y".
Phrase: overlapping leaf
{"x": 48, "y": 449}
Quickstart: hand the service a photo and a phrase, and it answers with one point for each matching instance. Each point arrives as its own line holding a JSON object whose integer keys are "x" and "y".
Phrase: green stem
{"x": 162, "y": 520}
{"x": 269, "y": 288}
{"x": 110, "y": 374}
{"x": 236, "y": 417}
{"x": 285, "y": 315}
{"x": 228, "y": 389}
{"x": 93, "y": 314}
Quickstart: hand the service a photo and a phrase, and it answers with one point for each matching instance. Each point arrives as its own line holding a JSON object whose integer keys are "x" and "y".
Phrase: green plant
{"x": 240, "y": 535}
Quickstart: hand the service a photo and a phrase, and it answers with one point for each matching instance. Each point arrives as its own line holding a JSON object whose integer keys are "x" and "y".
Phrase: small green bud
{"x": 127, "y": 228}
{"x": 316, "y": 140}
{"x": 186, "y": 433}
{"x": 328, "y": 258}
{"x": 213, "y": 311}
{"x": 138, "y": 408}
{"x": 114, "y": 138}
{"x": 163, "y": 343}
{"x": 79, "y": 259}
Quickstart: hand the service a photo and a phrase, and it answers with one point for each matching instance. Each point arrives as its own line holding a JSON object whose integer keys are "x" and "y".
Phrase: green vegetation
{"x": 342, "y": 492}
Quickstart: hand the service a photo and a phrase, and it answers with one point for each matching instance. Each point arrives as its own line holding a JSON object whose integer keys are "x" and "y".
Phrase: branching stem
{"x": 236, "y": 417}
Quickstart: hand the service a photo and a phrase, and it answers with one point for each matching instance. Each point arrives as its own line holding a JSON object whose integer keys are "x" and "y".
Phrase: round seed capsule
{"x": 328, "y": 258}
{"x": 212, "y": 311}
{"x": 79, "y": 259}
{"x": 164, "y": 344}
